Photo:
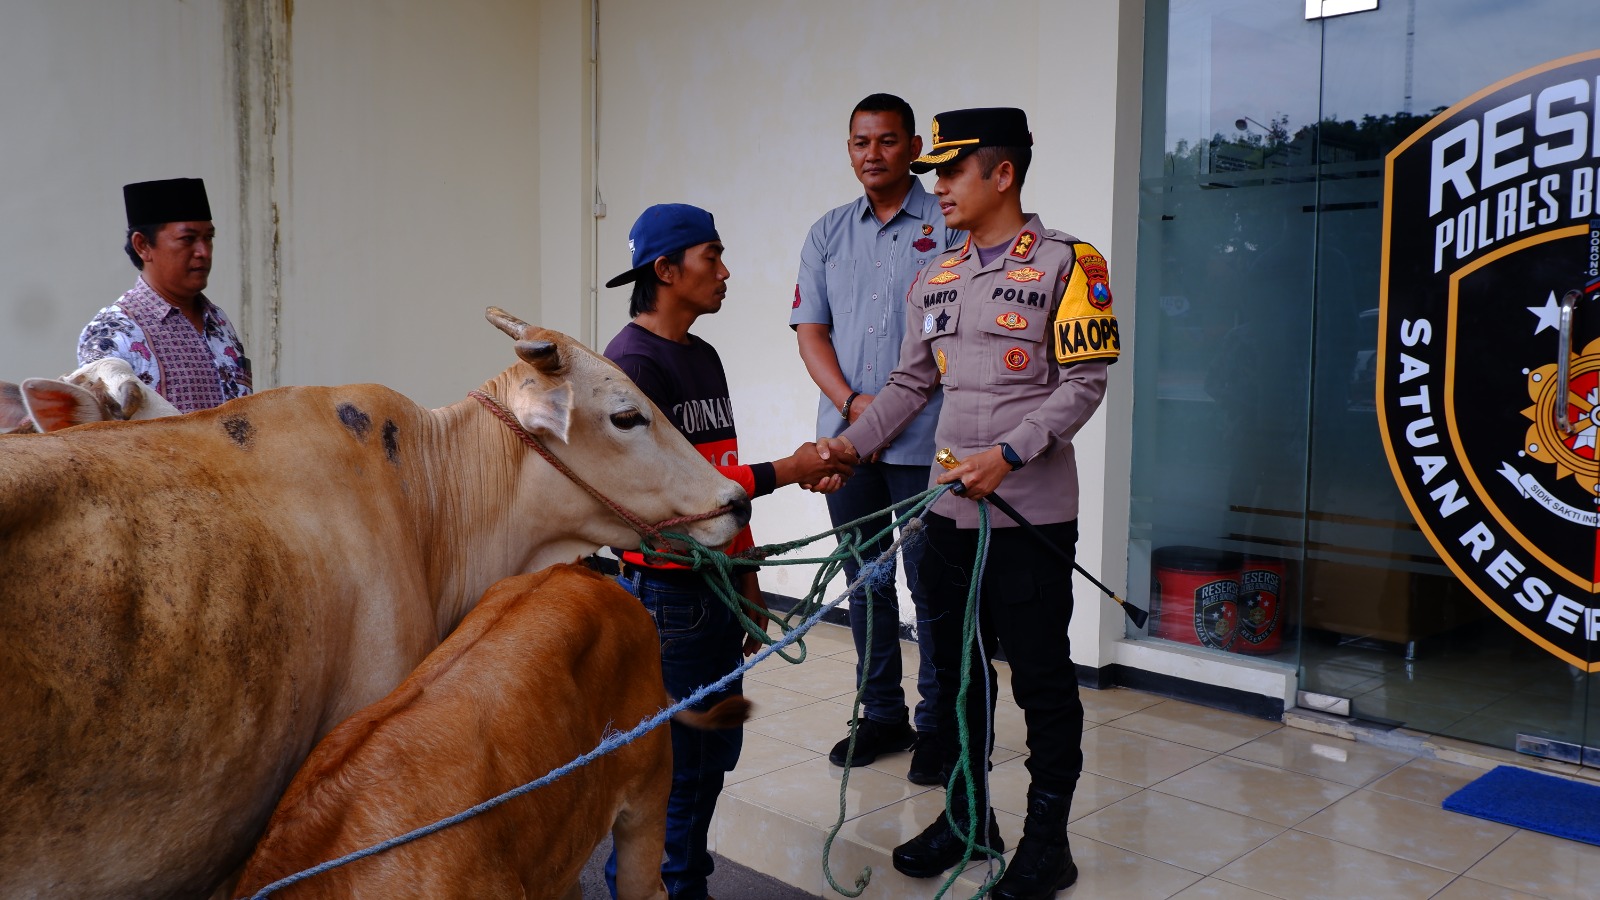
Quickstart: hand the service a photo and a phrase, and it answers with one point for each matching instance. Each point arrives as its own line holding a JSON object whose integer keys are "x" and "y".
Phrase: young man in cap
{"x": 1017, "y": 325}
{"x": 855, "y": 267}
{"x": 678, "y": 276}
{"x": 177, "y": 341}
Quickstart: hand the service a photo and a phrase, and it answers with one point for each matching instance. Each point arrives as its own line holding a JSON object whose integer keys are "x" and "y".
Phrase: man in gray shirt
{"x": 857, "y": 264}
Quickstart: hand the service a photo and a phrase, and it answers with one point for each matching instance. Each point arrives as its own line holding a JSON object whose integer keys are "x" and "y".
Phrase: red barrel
{"x": 1195, "y": 596}
{"x": 1260, "y": 605}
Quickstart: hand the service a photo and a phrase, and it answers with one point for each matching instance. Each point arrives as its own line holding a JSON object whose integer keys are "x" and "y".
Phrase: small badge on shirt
{"x": 927, "y": 229}
{"x": 1016, "y": 359}
{"x": 1024, "y": 244}
{"x": 1011, "y": 321}
{"x": 922, "y": 245}
{"x": 927, "y": 324}
{"x": 796, "y": 297}
{"x": 943, "y": 278}
{"x": 939, "y": 360}
{"x": 1026, "y": 273}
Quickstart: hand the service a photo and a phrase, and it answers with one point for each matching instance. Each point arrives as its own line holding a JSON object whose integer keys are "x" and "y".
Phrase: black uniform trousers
{"x": 1025, "y": 606}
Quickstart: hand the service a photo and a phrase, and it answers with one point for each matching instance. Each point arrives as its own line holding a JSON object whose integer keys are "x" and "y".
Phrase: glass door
{"x": 1266, "y": 515}
{"x": 1487, "y": 640}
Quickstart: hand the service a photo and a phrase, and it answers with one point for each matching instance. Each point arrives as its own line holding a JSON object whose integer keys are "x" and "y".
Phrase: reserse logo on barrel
{"x": 1491, "y": 261}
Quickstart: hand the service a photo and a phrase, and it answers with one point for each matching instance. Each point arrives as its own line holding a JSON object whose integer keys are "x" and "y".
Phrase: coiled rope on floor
{"x": 718, "y": 570}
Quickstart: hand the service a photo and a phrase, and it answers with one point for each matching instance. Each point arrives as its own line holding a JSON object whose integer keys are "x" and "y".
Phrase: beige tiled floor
{"x": 1176, "y": 800}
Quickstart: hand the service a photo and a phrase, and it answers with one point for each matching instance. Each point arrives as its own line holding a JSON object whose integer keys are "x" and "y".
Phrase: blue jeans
{"x": 873, "y": 487}
{"x": 701, "y": 641}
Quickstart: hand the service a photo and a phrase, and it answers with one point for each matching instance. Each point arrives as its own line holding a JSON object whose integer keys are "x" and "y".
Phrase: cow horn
{"x": 506, "y": 322}
{"x": 542, "y": 355}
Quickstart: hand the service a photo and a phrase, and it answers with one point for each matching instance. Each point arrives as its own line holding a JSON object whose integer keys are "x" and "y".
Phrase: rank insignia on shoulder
{"x": 939, "y": 360}
{"x": 1026, "y": 273}
{"x": 1024, "y": 244}
{"x": 943, "y": 278}
{"x": 1016, "y": 359}
{"x": 927, "y": 229}
{"x": 1012, "y": 321}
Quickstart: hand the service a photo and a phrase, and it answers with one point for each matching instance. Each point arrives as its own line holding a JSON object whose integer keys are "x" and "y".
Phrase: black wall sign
{"x": 1491, "y": 220}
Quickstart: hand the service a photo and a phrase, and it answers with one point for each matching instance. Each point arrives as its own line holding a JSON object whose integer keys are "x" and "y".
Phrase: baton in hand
{"x": 1135, "y": 614}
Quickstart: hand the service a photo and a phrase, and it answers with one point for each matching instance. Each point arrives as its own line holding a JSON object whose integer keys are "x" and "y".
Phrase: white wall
{"x": 373, "y": 169}
{"x": 743, "y": 109}
{"x": 98, "y": 95}
{"x": 412, "y": 189}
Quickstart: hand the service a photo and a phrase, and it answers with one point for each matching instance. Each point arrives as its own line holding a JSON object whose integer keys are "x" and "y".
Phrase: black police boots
{"x": 1043, "y": 862}
{"x": 941, "y": 846}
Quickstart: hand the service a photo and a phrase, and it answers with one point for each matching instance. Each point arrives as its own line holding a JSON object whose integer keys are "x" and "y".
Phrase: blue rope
{"x": 871, "y": 571}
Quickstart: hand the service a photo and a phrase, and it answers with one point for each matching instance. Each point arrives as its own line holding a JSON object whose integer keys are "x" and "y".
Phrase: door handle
{"x": 1564, "y": 362}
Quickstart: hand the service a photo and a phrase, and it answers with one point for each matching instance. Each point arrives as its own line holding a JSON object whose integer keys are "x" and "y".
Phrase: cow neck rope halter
{"x": 645, "y": 529}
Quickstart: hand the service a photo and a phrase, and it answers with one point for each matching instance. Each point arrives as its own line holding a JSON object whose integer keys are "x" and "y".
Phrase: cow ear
{"x": 550, "y": 412}
{"x": 542, "y": 355}
{"x": 54, "y": 405}
{"x": 13, "y": 412}
{"x": 506, "y": 322}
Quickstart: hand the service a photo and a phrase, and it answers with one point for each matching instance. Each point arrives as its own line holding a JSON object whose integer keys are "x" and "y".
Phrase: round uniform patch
{"x": 927, "y": 229}
{"x": 938, "y": 358}
{"x": 1016, "y": 359}
{"x": 927, "y": 324}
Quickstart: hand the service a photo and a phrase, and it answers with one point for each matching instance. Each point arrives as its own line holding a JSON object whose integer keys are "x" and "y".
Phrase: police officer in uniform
{"x": 1017, "y": 325}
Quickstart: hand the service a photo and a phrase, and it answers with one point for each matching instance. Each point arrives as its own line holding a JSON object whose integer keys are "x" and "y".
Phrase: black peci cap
{"x": 160, "y": 202}
{"x": 961, "y": 131}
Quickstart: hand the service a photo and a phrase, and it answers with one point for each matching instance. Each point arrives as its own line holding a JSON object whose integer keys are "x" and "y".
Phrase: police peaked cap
{"x": 961, "y": 131}
{"x": 160, "y": 202}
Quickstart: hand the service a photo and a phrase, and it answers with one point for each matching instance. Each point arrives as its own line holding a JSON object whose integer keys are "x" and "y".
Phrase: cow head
{"x": 105, "y": 390}
{"x": 598, "y": 422}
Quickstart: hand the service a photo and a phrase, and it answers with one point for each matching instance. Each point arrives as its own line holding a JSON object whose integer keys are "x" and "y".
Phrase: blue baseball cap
{"x": 663, "y": 230}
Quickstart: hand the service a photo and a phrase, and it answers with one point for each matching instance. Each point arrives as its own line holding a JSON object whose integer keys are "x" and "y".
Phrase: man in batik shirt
{"x": 176, "y": 340}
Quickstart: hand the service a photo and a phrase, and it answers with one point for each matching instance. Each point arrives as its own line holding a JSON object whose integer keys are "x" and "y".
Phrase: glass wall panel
{"x": 1386, "y": 623}
{"x": 1259, "y": 470}
{"x": 1225, "y": 322}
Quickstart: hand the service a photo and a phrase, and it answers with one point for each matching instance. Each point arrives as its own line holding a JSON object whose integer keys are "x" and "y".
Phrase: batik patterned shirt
{"x": 192, "y": 370}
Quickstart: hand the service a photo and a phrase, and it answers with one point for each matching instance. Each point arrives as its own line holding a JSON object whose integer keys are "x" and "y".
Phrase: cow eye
{"x": 628, "y": 418}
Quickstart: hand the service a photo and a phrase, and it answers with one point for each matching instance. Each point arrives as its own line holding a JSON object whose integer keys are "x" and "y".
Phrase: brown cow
{"x": 538, "y": 674}
{"x": 188, "y": 605}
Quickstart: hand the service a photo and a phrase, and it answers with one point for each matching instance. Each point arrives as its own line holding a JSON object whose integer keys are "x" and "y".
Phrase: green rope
{"x": 976, "y": 819}
{"x": 718, "y": 569}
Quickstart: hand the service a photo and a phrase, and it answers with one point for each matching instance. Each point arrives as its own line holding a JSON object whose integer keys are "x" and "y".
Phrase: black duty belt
{"x": 686, "y": 577}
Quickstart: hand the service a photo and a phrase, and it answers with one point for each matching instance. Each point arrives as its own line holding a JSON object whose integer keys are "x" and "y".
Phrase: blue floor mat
{"x": 1537, "y": 802}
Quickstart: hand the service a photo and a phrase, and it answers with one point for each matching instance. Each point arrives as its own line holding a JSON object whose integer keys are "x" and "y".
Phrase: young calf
{"x": 537, "y": 675}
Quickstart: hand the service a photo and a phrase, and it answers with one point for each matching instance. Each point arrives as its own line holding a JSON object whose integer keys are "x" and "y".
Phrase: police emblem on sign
{"x": 1489, "y": 347}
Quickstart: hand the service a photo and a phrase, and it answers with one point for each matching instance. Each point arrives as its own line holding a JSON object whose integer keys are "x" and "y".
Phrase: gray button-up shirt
{"x": 854, "y": 275}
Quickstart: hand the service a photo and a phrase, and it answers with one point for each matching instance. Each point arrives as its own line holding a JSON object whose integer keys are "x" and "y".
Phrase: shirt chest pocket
{"x": 1013, "y": 342}
{"x": 840, "y": 280}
